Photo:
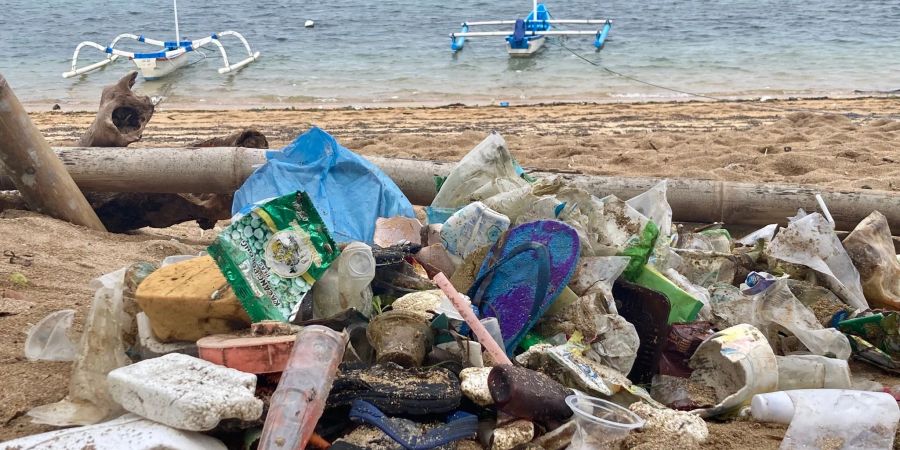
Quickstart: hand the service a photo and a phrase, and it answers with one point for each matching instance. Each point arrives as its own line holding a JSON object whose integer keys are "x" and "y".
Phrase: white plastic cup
{"x": 600, "y": 424}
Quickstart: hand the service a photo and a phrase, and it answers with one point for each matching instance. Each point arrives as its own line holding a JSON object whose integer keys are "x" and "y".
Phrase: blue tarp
{"x": 349, "y": 192}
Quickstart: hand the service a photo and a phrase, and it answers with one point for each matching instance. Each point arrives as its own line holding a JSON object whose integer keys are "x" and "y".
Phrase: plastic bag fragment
{"x": 654, "y": 205}
{"x": 871, "y": 248}
{"x": 336, "y": 179}
{"x": 101, "y": 350}
{"x": 810, "y": 241}
{"x": 487, "y": 170}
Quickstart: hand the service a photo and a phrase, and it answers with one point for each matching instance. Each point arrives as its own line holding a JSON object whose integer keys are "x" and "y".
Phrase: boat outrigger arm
{"x": 170, "y": 51}
{"x": 170, "y": 56}
{"x": 528, "y": 35}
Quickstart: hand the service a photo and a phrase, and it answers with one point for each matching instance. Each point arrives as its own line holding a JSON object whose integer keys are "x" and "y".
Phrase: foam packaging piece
{"x": 128, "y": 431}
{"x": 185, "y": 392}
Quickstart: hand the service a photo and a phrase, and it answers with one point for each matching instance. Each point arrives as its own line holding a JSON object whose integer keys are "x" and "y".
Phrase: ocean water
{"x": 397, "y": 51}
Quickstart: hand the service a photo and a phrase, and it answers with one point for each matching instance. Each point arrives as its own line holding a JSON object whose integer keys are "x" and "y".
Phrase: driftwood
{"x": 34, "y": 168}
{"x": 121, "y": 118}
{"x": 131, "y": 210}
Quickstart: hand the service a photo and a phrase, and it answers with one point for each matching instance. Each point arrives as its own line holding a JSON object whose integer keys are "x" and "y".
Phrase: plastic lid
{"x": 772, "y": 407}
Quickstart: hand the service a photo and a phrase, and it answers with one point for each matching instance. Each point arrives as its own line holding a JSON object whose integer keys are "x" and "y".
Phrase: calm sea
{"x": 397, "y": 51}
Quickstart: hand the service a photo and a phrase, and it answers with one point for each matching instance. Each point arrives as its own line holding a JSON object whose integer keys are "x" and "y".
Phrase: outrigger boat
{"x": 528, "y": 35}
{"x": 172, "y": 55}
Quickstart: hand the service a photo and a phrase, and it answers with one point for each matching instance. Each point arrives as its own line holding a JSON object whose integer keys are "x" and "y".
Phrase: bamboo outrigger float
{"x": 170, "y": 56}
{"x": 529, "y": 34}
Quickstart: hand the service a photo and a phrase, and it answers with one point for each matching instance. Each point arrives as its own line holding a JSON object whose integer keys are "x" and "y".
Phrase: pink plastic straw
{"x": 462, "y": 305}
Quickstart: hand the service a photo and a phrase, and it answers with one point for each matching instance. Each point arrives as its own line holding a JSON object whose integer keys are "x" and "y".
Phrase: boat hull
{"x": 155, "y": 68}
{"x": 534, "y": 44}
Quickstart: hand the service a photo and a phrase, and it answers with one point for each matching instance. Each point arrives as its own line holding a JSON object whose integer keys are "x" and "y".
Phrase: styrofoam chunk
{"x": 185, "y": 392}
{"x": 129, "y": 431}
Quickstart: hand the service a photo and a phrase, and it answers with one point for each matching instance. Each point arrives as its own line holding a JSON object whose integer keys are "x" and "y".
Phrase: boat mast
{"x": 534, "y": 14}
{"x": 178, "y": 35}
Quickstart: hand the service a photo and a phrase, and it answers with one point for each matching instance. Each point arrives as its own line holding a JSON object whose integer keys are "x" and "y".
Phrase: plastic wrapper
{"x": 272, "y": 256}
{"x": 766, "y": 234}
{"x": 810, "y": 241}
{"x": 101, "y": 350}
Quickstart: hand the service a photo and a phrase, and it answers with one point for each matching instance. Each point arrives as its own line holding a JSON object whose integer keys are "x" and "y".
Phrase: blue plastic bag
{"x": 348, "y": 191}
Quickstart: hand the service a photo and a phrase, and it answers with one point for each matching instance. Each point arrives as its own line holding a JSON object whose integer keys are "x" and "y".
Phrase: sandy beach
{"x": 791, "y": 141}
{"x": 847, "y": 143}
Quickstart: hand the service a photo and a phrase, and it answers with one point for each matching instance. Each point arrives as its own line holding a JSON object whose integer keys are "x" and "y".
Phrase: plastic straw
{"x": 462, "y": 305}
{"x": 824, "y": 209}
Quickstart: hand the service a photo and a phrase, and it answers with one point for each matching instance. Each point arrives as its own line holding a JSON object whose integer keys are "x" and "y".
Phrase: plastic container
{"x": 346, "y": 283}
{"x": 846, "y": 418}
{"x": 471, "y": 228}
{"x": 251, "y": 354}
{"x": 600, "y": 424}
{"x": 401, "y": 337}
{"x": 492, "y": 325}
{"x": 737, "y": 363}
{"x": 812, "y": 372}
{"x": 299, "y": 400}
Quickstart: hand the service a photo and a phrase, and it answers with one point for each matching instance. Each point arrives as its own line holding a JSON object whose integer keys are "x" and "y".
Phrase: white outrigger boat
{"x": 528, "y": 35}
{"x": 171, "y": 55}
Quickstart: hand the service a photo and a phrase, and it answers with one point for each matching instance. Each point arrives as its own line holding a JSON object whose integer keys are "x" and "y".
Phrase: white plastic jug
{"x": 346, "y": 284}
{"x": 830, "y": 418}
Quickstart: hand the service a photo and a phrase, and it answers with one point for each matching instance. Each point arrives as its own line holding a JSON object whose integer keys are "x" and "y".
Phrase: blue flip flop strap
{"x": 543, "y": 276}
{"x": 459, "y": 426}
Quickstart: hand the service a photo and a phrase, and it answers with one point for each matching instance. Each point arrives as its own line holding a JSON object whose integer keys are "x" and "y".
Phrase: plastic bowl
{"x": 600, "y": 424}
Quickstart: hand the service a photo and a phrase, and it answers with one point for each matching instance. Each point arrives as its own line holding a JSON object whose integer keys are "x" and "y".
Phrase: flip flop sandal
{"x": 523, "y": 274}
{"x": 460, "y": 425}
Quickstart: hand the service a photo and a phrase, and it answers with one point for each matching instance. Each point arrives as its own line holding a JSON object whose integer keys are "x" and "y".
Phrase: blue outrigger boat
{"x": 167, "y": 57}
{"x": 529, "y": 34}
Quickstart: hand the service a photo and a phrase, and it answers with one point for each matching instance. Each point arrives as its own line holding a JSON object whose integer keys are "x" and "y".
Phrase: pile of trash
{"x": 523, "y": 313}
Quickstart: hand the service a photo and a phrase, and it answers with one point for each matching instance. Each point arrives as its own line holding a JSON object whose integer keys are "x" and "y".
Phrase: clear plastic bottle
{"x": 346, "y": 284}
{"x": 299, "y": 400}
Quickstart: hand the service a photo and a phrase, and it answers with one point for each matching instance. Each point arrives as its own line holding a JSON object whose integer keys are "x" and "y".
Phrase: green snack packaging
{"x": 272, "y": 256}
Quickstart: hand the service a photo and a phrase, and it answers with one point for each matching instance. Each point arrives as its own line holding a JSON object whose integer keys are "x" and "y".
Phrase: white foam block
{"x": 185, "y": 392}
{"x": 129, "y": 431}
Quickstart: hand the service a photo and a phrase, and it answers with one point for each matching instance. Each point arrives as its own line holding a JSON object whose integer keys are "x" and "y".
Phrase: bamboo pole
{"x": 35, "y": 170}
{"x": 224, "y": 169}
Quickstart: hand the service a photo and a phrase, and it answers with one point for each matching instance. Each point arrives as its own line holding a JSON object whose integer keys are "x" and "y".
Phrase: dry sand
{"x": 742, "y": 141}
{"x": 772, "y": 141}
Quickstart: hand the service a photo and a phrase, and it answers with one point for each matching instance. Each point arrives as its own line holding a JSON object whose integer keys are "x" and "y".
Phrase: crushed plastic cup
{"x": 600, "y": 424}
{"x": 48, "y": 340}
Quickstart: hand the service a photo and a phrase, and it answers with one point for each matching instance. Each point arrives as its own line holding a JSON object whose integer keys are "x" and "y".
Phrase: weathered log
{"x": 35, "y": 170}
{"x": 223, "y": 170}
{"x": 121, "y": 117}
{"x": 123, "y": 211}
